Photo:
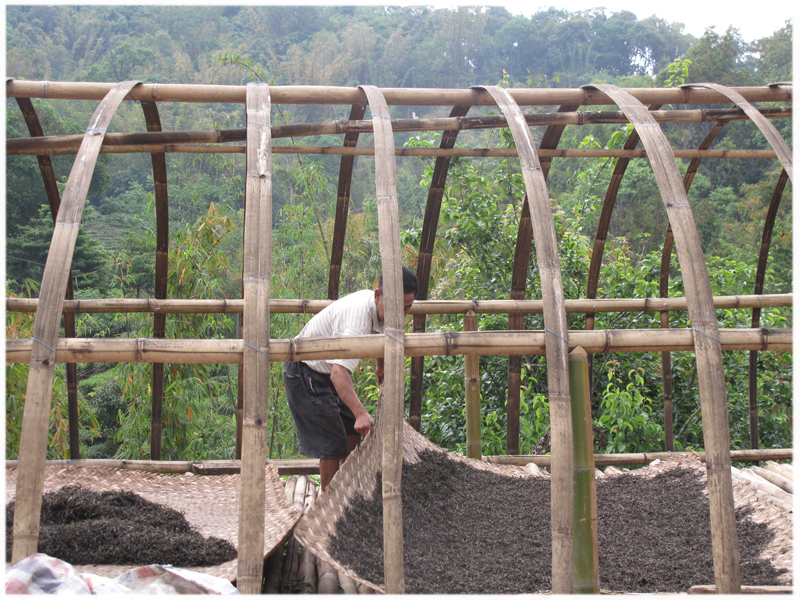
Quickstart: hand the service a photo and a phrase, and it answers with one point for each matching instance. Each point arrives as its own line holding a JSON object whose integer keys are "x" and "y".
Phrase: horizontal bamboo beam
{"x": 305, "y": 466}
{"x": 494, "y": 343}
{"x": 221, "y": 136}
{"x": 420, "y": 307}
{"x": 310, "y": 466}
{"x": 643, "y": 458}
{"x": 296, "y": 94}
{"x": 431, "y": 152}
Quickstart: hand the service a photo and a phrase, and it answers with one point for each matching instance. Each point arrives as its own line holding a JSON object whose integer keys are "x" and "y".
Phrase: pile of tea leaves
{"x": 83, "y": 527}
{"x": 473, "y": 531}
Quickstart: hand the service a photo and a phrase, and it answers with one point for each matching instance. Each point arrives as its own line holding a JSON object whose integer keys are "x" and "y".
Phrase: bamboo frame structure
{"x": 711, "y": 378}
{"x": 255, "y": 337}
{"x": 256, "y": 349}
{"x": 472, "y": 394}
{"x": 36, "y": 417}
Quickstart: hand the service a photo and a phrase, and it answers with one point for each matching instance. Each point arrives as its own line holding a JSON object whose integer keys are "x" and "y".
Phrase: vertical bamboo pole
{"x": 705, "y": 332}
{"x": 557, "y": 345}
{"x": 761, "y": 271}
{"x": 342, "y": 205}
{"x": 394, "y": 328}
{"x": 430, "y": 224}
{"x": 159, "y": 162}
{"x": 519, "y": 283}
{"x": 255, "y": 333}
{"x": 586, "y": 567}
{"x": 36, "y": 417}
{"x": 472, "y": 392}
{"x": 666, "y": 254}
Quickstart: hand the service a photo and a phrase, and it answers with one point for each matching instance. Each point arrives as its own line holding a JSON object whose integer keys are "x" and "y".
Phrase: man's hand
{"x": 364, "y": 423}
{"x": 340, "y": 377}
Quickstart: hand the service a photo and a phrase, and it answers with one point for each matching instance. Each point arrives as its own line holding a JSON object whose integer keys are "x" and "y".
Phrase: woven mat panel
{"x": 358, "y": 475}
{"x": 210, "y": 504}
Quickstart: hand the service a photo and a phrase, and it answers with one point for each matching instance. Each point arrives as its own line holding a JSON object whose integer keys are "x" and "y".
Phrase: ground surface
{"x": 83, "y": 527}
{"x": 471, "y": 531}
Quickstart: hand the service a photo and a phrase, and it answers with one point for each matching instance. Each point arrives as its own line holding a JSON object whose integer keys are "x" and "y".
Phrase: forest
{"x": 473, "y": 254}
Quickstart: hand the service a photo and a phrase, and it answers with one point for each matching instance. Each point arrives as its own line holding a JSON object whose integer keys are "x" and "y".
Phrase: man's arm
{"x": 340, "y": 377}
{"x": 379, "y": 370}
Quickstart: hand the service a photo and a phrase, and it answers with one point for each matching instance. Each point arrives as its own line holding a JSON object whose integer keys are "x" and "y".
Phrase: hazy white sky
{"x": 754, "y": 21}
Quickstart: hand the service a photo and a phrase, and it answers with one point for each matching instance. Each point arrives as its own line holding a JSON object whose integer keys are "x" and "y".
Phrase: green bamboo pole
{"x": 585, "y": 559}
{"x": 472, "y": 393}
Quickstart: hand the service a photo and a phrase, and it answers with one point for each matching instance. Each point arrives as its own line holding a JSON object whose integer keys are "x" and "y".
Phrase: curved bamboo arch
{"x": 430, "y": 224}
{"x": 343, "y": 205}
{"x": 663, "y": 286}
{"x": 761, "y": 271}
{"x": 256, "y": 275}
{"x": 159, "y": 162}
{"x": 774, "y": 138}
{"x": 33, "y": 442}
{"x": 557, "y": 346}
{"x": 394, "y": 328}
{"x": 711, "y": 378}
{"x": 519, "y": 281}
{"x": 54, "y": 199}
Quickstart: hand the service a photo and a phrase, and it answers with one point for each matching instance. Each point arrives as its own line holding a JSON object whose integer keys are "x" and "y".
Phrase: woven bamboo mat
{"x": 210, "y": 504}
{"x": 358, "y": 475}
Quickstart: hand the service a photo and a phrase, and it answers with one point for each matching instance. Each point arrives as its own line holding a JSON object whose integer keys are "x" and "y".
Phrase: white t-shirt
{"x": 355, "y": 314}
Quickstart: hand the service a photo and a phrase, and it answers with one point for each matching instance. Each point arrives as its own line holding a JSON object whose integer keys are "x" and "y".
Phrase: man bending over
{"x": 328, "y": 415}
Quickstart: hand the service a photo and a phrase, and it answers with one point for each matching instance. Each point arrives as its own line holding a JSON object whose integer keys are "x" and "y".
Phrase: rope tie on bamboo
{"x": 395, "y": 339}
{"x": 705, "y": 334}
{"x": 55, "y": 354}
{"x": 383, "y": 117}
{"x": 256, "y": 349}
{"x": 96, "y": 129}
{"x": 513, "y": 111}
{"x": 561, "y": 336}
{"x": 258, "y": 123}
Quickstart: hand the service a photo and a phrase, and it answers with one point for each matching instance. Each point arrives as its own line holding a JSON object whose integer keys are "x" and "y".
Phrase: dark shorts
{"x": 322, "y": 420}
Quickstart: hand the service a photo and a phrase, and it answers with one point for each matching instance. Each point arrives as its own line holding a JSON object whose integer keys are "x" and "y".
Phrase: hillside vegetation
{"x": 400, "y": 47}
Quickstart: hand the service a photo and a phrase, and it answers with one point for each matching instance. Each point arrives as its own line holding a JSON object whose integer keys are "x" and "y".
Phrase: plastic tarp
{"x": 42, "y": 574}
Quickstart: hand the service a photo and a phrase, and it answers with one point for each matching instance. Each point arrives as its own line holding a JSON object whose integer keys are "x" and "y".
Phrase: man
{"x": 329, "y": 417}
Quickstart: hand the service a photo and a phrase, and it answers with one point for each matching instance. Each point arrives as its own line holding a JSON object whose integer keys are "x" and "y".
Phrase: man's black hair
{"x": 410, "y": 283}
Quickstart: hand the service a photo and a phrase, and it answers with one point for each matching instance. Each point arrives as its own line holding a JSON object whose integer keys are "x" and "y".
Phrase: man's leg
{"x": 327, "y": 469}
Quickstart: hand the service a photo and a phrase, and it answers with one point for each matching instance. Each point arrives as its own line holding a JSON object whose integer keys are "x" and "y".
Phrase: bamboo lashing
{"x": 420, "y": 307}
{"x": 291, "y": 94}
{"x": 556, "y": 344}
{"x": 394, "y": 328}
{"x": 711, "y": 378}
{"x": 355, "y": 125}
{"x": 257, "y": 272}
{"x": 43, "y": 357}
